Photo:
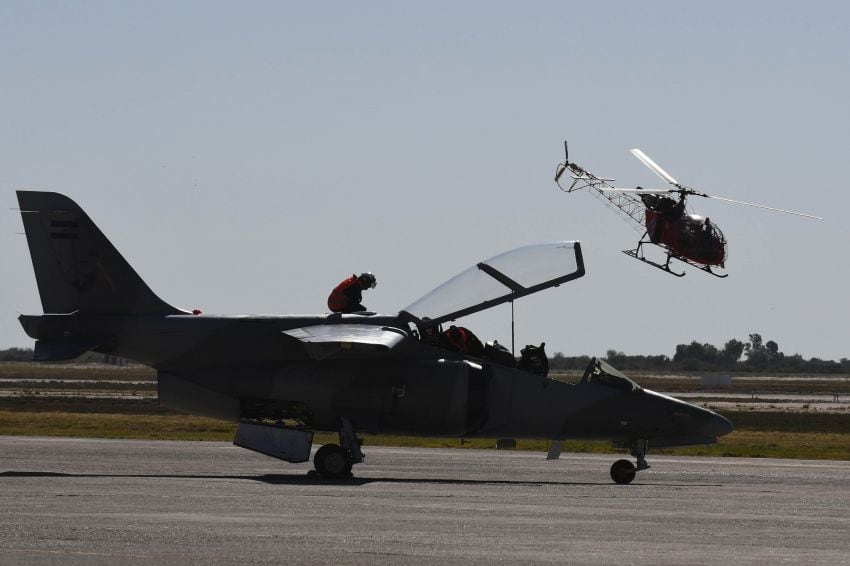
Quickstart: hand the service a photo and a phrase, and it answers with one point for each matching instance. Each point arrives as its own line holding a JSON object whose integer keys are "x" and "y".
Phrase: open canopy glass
{"x": 502, "y": 278}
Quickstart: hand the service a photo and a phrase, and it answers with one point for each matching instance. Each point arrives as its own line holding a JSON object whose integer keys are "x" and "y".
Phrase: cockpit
{"x": 602, "y": 373}
{"x": 494, "y": 281}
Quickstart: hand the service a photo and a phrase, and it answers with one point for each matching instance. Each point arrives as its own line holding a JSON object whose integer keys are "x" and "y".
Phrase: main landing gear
{"x": 294, "y": 444}
{"x": 623, "y": 471}
{"x": 334, "y": 461}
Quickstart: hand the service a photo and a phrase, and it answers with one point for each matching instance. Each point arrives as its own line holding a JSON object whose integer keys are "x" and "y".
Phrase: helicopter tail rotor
{"x": 563, "y": 166}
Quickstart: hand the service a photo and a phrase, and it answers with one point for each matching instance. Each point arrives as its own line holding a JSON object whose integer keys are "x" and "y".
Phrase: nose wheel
{"x": 623, "y": 471}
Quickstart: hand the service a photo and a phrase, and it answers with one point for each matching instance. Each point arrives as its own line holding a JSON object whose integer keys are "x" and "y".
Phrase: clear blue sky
{"x": 245, "y": 157}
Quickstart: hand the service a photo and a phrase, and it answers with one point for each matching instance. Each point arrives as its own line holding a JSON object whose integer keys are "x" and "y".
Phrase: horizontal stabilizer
{"x": 328, "y": 340}
{"x": 62, "y": 349}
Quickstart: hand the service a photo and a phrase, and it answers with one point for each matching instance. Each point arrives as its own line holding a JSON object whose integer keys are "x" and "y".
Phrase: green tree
{"x": 773, "y": 352}
{"x": 756, "y": 351}
{"x": 732, "y": 351}
{"x": 696, "y": 356}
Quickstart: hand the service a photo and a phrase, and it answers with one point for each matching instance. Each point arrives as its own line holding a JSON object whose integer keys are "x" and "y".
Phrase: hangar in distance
{"x": 284, "y": 377}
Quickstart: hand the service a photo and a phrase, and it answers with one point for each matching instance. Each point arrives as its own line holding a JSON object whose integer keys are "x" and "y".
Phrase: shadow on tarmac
{"x": 311, "y": 479}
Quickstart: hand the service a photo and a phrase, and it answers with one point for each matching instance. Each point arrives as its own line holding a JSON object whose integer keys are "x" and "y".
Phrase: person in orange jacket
{"x": 347, "y": 295}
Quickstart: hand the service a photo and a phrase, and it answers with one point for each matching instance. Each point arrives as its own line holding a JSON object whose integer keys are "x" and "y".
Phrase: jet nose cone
{"x": 717, "y": 425}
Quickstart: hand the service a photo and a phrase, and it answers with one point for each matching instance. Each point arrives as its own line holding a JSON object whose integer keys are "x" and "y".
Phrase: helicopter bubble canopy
{"x": 500, "y": 279}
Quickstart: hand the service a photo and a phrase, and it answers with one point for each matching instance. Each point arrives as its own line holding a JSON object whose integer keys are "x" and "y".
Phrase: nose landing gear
{"x": 623, "y": 471}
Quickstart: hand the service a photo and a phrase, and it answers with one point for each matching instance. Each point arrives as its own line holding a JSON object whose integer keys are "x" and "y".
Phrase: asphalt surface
{"x": 74, "y": 501}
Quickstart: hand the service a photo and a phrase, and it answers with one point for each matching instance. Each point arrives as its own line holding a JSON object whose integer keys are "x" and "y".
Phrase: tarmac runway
{"x": 75, "y": 501}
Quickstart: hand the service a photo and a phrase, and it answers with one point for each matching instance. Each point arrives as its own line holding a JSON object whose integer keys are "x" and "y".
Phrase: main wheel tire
{"x": 333, "y": 461}
{"x": 623, "y": 471}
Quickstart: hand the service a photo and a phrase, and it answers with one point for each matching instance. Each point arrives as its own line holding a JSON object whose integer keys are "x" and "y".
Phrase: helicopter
{"x": 687, "y": 237}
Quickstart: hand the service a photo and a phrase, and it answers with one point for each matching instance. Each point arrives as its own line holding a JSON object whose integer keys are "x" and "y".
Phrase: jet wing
{"x": 346, "y": 340}
{"x": 500, "y": 279}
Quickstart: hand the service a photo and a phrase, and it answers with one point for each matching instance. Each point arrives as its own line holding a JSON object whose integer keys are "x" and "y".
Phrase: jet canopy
{"x": 500, "y": 279}
{"x": 598, "y": 371}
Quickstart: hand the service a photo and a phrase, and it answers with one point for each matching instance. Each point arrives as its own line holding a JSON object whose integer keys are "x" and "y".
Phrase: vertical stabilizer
{"x": 76, "y": 267}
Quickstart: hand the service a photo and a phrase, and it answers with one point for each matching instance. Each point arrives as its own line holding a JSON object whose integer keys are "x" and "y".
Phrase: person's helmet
{"x": 367, "y": 280}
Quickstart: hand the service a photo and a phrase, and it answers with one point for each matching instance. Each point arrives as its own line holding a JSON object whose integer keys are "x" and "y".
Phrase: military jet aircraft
{"x": 284, "y": 377}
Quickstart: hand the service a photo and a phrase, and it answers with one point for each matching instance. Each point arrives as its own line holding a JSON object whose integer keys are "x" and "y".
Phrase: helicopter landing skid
{"x": 700, "y": 266}
{"x": 707, "y": 269}
{"x": 638, "y": 255}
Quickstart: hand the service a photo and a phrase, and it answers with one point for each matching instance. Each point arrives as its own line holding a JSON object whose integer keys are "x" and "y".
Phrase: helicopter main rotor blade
{"x": 765, "y": 207}
{"x": 641, "y": 191}
{"x": 644, "y": 158}
{"x": 682, "y": 190}
{"x": 698, "y": 194}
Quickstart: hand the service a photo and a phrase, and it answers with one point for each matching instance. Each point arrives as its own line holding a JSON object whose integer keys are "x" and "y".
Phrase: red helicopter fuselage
{"x": 689, "y": 236}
